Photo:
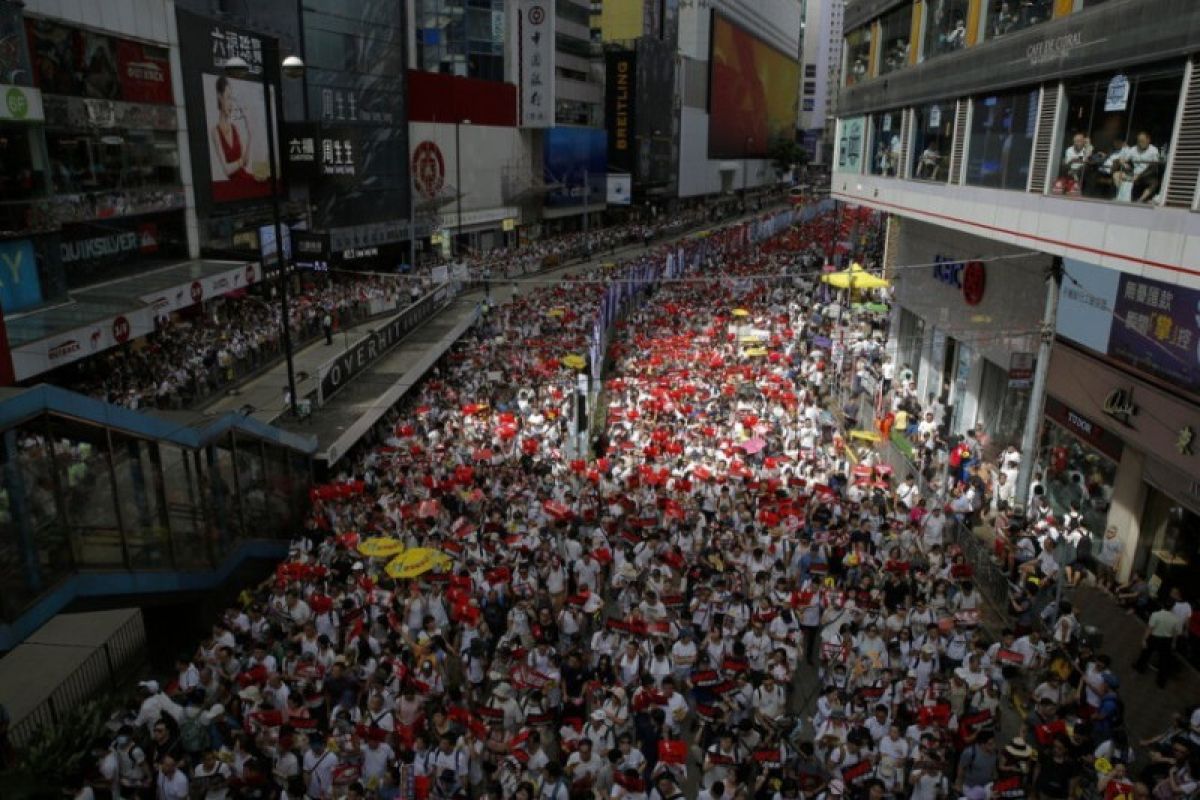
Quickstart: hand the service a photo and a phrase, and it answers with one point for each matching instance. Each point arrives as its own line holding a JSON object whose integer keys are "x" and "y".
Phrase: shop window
{"x": 895, "y": 29}
{"x": 1168, "y": 551}
{"x": 945, "y": 26}
{"x": 1076, "y": 477}
{"x": 1010, "y": 16}
{"x": 1001, "y": 140}
{"x": 1116, "y": 134}
{"x": 94, "y": 162}
{"x": 22, "y": 166}
{"x": 885, "y": 138}
{"x": 933, "y": 133}
{"x": 858, "y": 55}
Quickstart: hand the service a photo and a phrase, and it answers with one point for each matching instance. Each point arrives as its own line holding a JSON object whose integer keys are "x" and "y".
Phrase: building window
{"x": 933, "y": 133}
{"x": 810, "y": 87}
{"x": 945, "y": 26}
{"x": 858, "y": 55}
{"x": 896, "y": 28}
{"x": 810, "y": 70}
{"x": 1008, "y": 16}
{"x": 885, "y": 138}
{"x": 1002, "y": 139}
{"x": 1116, "y": 133}
{"x": 92, "y": 162}
{"x": 808, "y": 104}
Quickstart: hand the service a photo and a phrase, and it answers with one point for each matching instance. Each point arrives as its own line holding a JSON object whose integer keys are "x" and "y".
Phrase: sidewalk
{"x": 1148, "y": 709}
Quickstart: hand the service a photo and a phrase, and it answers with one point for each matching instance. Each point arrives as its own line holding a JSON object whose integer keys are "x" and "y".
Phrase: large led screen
{"x": 752, "y": 93}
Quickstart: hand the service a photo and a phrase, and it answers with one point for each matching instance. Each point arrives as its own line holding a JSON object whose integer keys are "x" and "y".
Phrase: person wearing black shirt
{"x": 1056, "y": 772}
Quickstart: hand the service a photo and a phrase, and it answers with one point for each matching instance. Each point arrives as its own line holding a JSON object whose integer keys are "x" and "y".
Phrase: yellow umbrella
{"x": 866, "y": 436}
{"x": 380, "y": 547}
{"x": 573, "y": 361}
{"x": 756, "y": 352}
{"x": 556, "y": 312}
{"x": 416, "y": 562}
{"x": 741, "y": 312}
{"x": 854, "y": 278}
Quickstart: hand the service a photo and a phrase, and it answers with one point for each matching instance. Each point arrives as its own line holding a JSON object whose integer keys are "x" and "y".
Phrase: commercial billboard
{"x": 753, "y": 89}
{"x": 1149, "y": 326}
{"x": 360, "y": 99}
{"x": 493, "y": 158}
{"x": 228, "y": 131}
{"x": 70, "y": 61}
{"x": 620, "y": 108}
{"x": 20, "y": 287}
{"x": 575, "y": 166}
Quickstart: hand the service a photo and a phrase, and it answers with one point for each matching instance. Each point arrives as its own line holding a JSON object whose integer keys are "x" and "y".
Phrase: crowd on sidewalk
{"x": 191, "y": 358}
{"x": 715, "y": 598}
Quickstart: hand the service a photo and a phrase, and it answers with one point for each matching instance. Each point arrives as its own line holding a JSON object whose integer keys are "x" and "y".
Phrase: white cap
{"x": 149, "y": 686}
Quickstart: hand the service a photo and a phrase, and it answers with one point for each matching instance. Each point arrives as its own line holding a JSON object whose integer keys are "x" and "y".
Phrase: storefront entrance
{"x": 1078, "y": 460}
{"x": 1168, "y": 550}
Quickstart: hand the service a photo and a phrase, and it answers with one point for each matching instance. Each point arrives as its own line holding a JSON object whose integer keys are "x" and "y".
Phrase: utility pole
{"x": 1037, "y": 395}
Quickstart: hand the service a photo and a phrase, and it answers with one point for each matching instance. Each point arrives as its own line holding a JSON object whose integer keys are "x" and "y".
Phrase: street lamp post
{"x": 290, "y": 67}
{"x": 458, "y": 123}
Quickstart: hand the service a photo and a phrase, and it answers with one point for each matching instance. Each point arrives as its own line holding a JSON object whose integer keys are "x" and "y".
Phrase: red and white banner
{"x": 55, "y": 351}
{"x": 197, "y": 291}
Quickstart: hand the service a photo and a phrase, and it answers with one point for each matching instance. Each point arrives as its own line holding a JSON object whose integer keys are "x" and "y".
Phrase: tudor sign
{"x": 967, "y": 276}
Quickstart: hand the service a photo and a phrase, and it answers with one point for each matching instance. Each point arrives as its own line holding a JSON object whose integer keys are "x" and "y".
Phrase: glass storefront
{"x": 1115, "y": 133}
{"x": 1010, "y": 16}
{"x": 933, "y": 133}
{"x": 1078, "y": 460}
{"x": 885, "y": 139}
{"x": 858, "y": 55}
{"x": 945, "y": 26}
{"x": 895, "y": 44}
{"x": 1168, "y": 551}
{"x": 1002, "y": 127}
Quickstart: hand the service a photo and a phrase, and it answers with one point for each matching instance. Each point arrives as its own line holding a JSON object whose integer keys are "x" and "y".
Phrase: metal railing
{"x": 107, "y": 667}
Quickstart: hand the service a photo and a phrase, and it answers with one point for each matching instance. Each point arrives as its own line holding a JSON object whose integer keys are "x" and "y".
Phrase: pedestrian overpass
{"x": 98, "y": 500}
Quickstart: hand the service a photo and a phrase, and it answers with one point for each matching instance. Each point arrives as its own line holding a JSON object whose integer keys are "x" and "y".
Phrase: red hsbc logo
{"x": 120, "y": 329}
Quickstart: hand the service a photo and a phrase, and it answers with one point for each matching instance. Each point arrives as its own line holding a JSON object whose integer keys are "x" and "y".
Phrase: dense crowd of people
{"x": 187, "y": 360}
{"x": 718, "y": 599}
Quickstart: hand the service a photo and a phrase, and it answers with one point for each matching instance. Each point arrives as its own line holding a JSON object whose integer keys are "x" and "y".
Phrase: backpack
{"x": 193, "y": 735}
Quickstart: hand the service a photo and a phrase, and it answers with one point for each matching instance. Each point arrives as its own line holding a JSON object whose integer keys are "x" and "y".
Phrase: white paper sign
{"x": 1118, "y": 94}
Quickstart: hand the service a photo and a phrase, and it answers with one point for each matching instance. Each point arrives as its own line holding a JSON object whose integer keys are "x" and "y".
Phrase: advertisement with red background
{"x": 144, "y": 73}
{"x": 753, "y": 90}
{"x": 73, "y": 62}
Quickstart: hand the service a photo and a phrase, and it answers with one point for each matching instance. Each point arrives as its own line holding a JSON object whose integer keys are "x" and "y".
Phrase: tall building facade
{"x": 821, "y": 58}
{"x": 1002, "y": 136}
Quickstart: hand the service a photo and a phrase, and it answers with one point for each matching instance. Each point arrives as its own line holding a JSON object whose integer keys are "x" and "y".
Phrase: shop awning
{"x": 99, "y": 317}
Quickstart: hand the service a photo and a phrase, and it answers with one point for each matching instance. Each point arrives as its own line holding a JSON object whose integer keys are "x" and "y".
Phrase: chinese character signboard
{"x": 537, "y": 63}
{"x": 229, "y": 138}
{"x": 1156, "y": 328}
{"x": 1150, "y": 326}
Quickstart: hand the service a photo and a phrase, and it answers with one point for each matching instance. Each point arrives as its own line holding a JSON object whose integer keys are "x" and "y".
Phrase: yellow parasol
{"x": 416, "y": 562}
{"x": 741, "y": 312}
{"x": 556, "y": 312}
{"x": 380, "y": 547}
{"x": 866, "y": 436}
{"x": 756, "y": 352}
{"x": 573, "y": 361}
{"x": 854, "y": 278}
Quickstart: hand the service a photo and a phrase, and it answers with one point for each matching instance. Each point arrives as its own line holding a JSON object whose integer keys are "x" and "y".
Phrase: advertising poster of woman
{"x": 237, "y": 139}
